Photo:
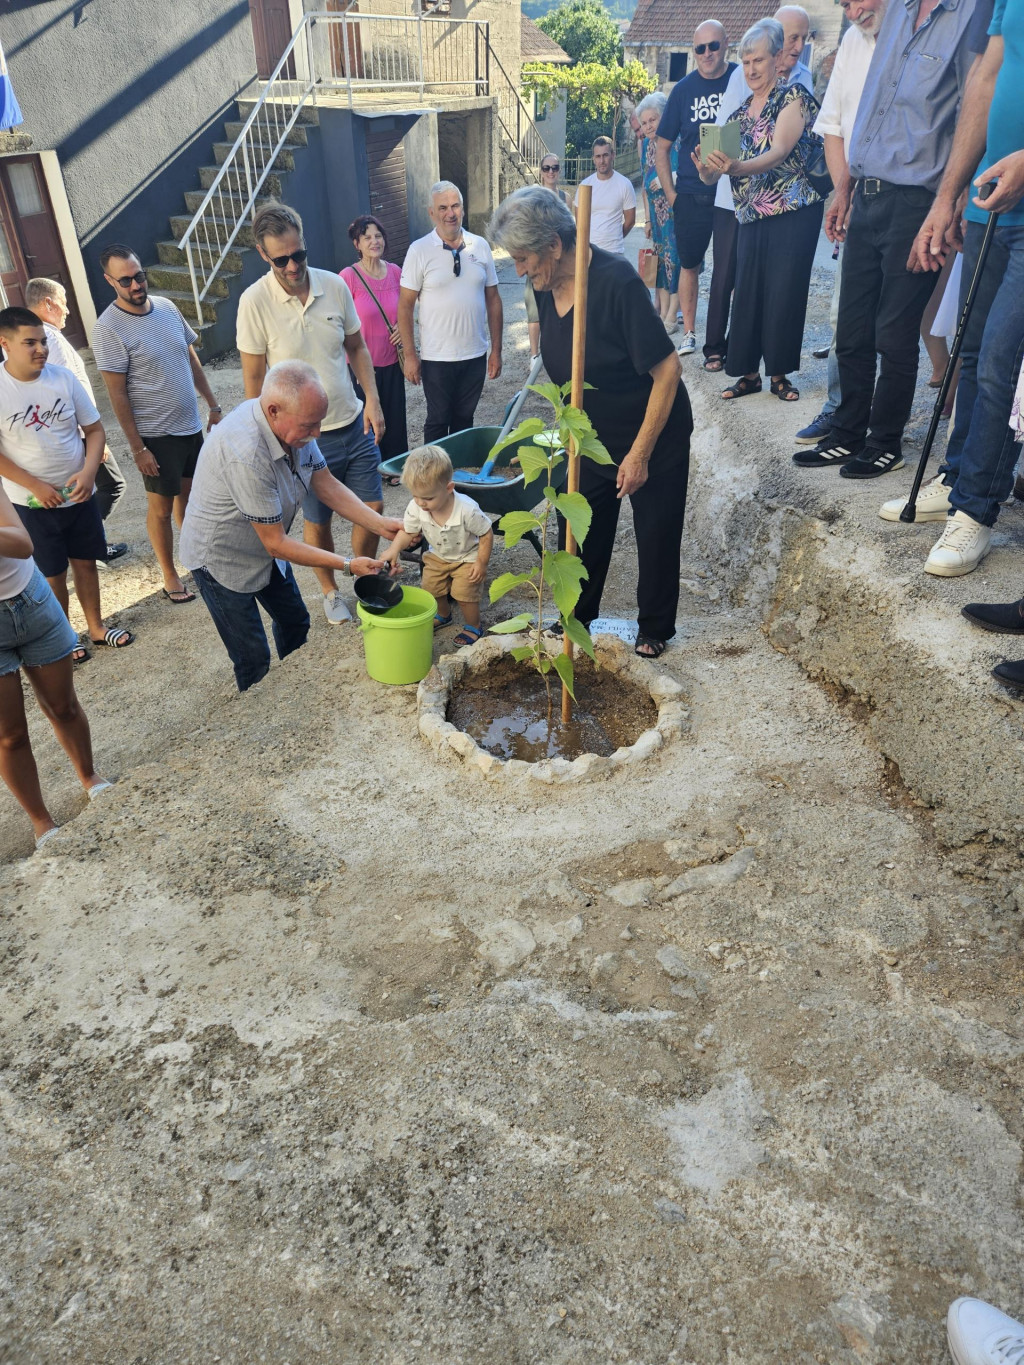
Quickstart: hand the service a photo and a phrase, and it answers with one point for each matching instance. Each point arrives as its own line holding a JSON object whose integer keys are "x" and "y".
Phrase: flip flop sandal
{"x": 115, "y": 638}
{"x": 784, "y": 390}
{"x": 441, "y": 621}
{"x": 742, "y": 388}
{"x": 468, "y": 635}
{"x": 179, "y": 596}
{"x": 80, "y": 655}
{"x": 714, "y": 363}
{"x": 649, "y": 648}
{"x": 392, "y": 481}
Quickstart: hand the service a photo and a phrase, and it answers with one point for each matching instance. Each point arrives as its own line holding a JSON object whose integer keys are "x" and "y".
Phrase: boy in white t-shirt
{"x": 51, "y": 444}
{"x": 459, "y": 535}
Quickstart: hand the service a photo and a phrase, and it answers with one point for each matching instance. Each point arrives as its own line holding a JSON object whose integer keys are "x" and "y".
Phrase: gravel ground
{"x": 317, "y": 1047}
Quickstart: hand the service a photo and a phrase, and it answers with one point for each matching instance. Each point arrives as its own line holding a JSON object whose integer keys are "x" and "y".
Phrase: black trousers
{"x": 723, "y": 277}
{"x": 110, "y": 486}
{"x": 774, "y": 257}
{"x": 881, "y": 304}
{"x": 391, "y": 392}
{"x": 452, "y": 389}
{"x": 658, "y": 510}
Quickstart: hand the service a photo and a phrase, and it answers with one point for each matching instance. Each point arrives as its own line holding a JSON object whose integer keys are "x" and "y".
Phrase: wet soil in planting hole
{"x": 504, "y": 708}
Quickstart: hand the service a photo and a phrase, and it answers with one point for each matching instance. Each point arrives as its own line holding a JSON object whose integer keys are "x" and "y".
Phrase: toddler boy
{"x": 459, "y": 536}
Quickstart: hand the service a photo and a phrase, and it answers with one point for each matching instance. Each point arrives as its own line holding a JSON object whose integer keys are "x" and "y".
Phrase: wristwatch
{"x": 348, "y": 568}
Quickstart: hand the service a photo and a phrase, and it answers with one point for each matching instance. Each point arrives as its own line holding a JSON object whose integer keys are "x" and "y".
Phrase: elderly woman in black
{"x": 638, "y": 405}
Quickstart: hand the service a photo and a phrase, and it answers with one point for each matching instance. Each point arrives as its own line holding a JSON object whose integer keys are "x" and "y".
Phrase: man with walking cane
{"x": 977, "y": 474}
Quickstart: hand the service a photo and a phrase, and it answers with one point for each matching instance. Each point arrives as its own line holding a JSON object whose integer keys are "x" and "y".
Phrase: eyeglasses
{"x": 281, "y": 261}
{"x": 138, "y": 278}
{"x": 701, "y": 48}
{"x": 555, "y": 166}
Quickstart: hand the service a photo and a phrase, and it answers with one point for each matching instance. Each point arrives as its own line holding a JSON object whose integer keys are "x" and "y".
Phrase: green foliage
{"x": 585, "y": 30}
{"x": 594, "y": 94}
{"x": 561, "y": 574}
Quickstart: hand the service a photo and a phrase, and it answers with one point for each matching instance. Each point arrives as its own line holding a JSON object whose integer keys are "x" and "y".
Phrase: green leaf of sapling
{"x": 592, "y": 449}
{"x": 564, "y": 574}
{"x": 530, "y": 426}
{"x": 533, "y": 463}
{"x": 564, "y": 668}
{"x": 521, "y": 622}
{"x": 507, "y": 581}
{"x": 578, "y": 634}
{"x": 575, "y": 509}
{"x": 515, "y": 525}
{"x": 521, "y": 653}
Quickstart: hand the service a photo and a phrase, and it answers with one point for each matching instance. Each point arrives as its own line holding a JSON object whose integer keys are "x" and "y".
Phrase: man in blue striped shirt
{"x": 145, "y": 351}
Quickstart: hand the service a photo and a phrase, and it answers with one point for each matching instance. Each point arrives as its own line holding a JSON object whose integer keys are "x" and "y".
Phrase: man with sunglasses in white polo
{"x": 451, "y": 273}
{"x": 297, "y": 312}
{"x": 145, "y": 351}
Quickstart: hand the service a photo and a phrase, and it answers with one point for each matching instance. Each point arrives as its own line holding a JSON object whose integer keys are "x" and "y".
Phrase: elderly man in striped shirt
{"x": 145, "y": 351}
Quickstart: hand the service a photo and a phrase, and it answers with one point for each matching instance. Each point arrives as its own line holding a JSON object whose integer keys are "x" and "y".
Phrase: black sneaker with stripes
{"x": 872, "y": 464}
{"x": 827, "y": 454}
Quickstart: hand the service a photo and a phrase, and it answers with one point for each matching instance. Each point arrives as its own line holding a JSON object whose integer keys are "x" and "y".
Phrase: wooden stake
{"x": 579, "y": 350}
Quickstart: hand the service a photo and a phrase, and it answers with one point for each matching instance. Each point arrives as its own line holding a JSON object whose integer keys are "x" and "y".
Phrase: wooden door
{"x": 346, "y": 41}
{"x": 271, "y": 34}
{"x": 385, "y": 156}
{"x": 31, "y": 237}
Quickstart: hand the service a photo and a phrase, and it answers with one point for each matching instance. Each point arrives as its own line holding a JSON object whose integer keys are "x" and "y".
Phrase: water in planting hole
{"x": 505, "y": 709}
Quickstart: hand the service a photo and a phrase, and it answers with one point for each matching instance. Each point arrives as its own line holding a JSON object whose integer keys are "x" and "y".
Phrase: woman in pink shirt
{"x": 374, "y": 284}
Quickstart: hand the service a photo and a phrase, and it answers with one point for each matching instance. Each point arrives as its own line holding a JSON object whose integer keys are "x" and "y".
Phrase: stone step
{"x": 222, "y": 200}
{"x": 295, "y": 137}
{"x": 177, "y": 279}
{"x": 308, "y": 114}
{"x": 260, "y": 155}
{"x": 186, "y": 303}
{"x": 170, "y": 253}
{"x": 235, "y": 179}
{"x": 244, "y": 237}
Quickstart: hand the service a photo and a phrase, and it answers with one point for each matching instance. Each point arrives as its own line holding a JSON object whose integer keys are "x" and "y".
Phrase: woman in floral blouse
{"x": 779, "y": 213}
{"x": 661, "y": 226}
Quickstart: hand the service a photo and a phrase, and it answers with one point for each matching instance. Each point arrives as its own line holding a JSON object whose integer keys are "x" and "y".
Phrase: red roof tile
{"x": 538, "y": 47}
{"x": 674, "y": 21}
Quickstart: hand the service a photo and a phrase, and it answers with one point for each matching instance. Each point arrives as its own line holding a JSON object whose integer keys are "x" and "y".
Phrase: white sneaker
{"x": 979, "y": 1334}
{"x": 688, "y": 344}
{"x": 335, "y": 608}
{"x": 961, "y": 547}
{"x": 671, "y": 326}
{"x": 932, "y": 503}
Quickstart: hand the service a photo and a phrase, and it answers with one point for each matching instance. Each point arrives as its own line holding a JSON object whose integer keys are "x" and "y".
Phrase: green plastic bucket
{"x": 399, "y": 643}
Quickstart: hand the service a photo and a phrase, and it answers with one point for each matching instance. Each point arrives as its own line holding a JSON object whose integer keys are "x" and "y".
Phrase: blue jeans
{"x": 240, "y": 626}
{"x": 354, "y": 460}
{"x": 981, "y": 452}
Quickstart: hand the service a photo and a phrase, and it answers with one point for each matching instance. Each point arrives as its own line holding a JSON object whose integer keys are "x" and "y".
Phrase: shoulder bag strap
{"x": 380, "y": 306}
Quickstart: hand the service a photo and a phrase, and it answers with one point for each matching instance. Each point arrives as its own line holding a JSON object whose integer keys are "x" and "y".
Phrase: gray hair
{"x": 442, "y": 187}
{"x": 288, "y": 381}
{"x": 530, "y": 219}
{"x": 794, "y": 9}
{"x": 40, "y": 289}
{"x": 655, "y": 101}
{"x": 768, "y": 31}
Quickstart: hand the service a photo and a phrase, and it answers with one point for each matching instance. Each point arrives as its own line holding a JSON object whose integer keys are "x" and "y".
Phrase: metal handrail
{"x": 242, "y": 145}
{"x": 526, "y": 138}
{"x": 395, "y": 62}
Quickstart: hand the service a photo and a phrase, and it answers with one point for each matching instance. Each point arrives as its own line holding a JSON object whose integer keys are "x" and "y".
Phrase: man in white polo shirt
{"x": 298, "y": 313}
{"x": 613, "y": 200}
{"x": 451, "y": 273}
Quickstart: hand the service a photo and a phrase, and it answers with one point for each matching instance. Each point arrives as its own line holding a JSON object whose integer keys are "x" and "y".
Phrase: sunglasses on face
{"x": 554, "y": 167}
{"x": 138, "y": 278}
{"x": 701, "y": 48}
{"x": 281, "y": 261}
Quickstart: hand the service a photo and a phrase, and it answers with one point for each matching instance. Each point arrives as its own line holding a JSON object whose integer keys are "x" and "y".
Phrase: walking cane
{"x": 909, "y": 512}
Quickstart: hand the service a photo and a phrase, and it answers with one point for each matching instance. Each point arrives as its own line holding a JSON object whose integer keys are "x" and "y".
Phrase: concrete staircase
{"x": 170, "y": 277}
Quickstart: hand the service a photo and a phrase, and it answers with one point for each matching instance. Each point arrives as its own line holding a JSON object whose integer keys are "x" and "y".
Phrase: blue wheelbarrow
{"x": 499, "y": 494}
